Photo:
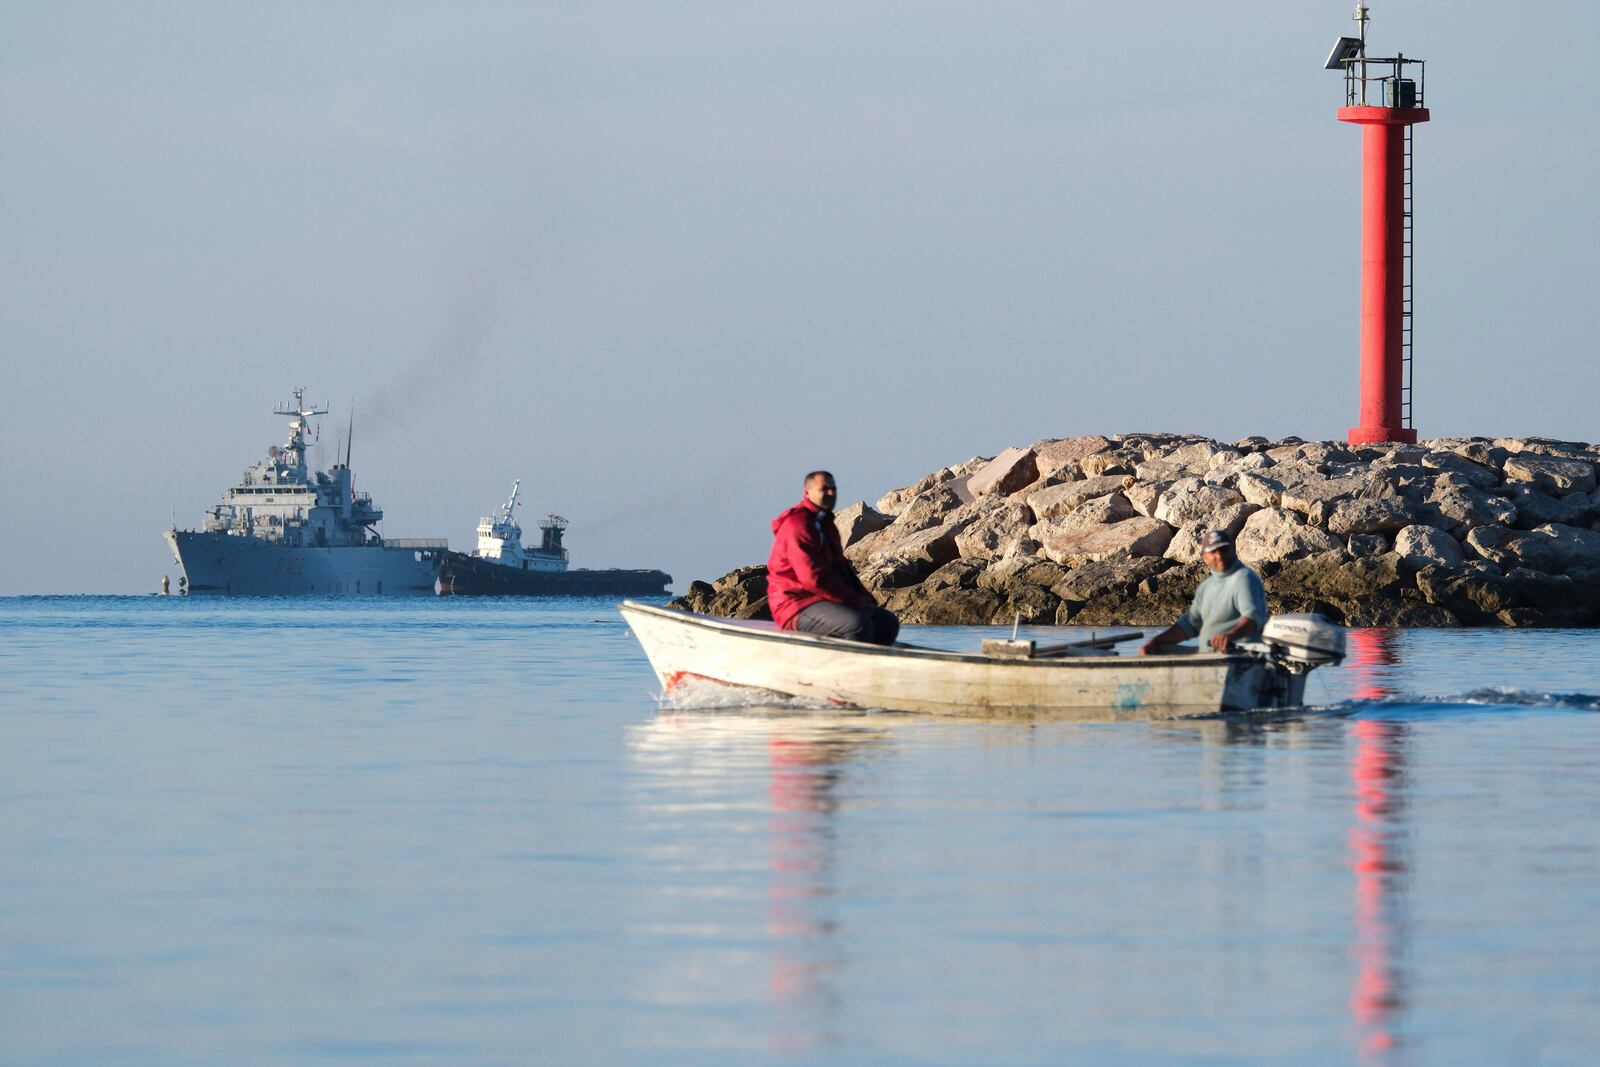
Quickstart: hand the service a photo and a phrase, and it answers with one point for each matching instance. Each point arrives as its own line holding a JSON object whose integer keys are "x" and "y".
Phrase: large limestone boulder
{"x": 1311, "y": 453}
{"x": 1005, "y": 474}
{"x": 1406, "y": 481}
{"x": 1103, "y": 578}
{"x": 1315, "y": 497}
{"x": 1497, "y": 544}
{"x": 1201, "y": 456}
{"x": 1063, "y": 456}
{"x": 892, "y": 572}
{"x": 1258, "y": 489}
{"x": 950, "y": 607}
{"x": 1101, "y": 511}
{"x": 1227, "y": 467}
{"x": 1185, "y": 544}
{"x": 870, "y": 547}
{"x": 994, "y": 530}
{"x": 938, "y": 506}
{"x": 1337, "y": 577}
{"x": 1022, "y": 587}
{"x": 858, "y": 520}
{"x": 1400, "y": 453}
{"x": 1073, "y": 546}
{"x": 949, "y": 597}
{"x": 1567, "y": 548}
{"x": 1275, "y": 534}
{"x": 1475, "y": 474}
{"x": 1059, "y": 499}
{"x": 1144, "y": 496}
{"x": 1422, "y": 546}
{"x": 1191, "y": 500}
{"x": 1551, "y": 474}
{"x": 1545, "y": 599}
{"x": 1155, "y": 599}
{"x": 1004, "y": 574}
{"x": 1536, "y": 507}
{"x": 936, "y": 545}
{"x": 1462, "y": 508}
{"x": 1161, "y": 470}
{"x": 1372, "y": 544}
{"x": 1366, "y": 515}
{"x": 1479, "y": 450}
{"x": 1547, "y": 446}
{"x": 1473, "y": 597}
{"x": 739, "y": 594}
{"x": 892, "y": 503}
{"x": 928, "y": 508}
{"x": 1106, "y": 464}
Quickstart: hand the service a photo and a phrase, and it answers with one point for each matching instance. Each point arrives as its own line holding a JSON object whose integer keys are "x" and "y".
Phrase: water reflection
{"x": 1378, "y": 841}
{"x": 1373, "y": 662}
{"x": 1378, "y": 850}
{"x": 768, "y": 806}
{"x": 805, "y": 759}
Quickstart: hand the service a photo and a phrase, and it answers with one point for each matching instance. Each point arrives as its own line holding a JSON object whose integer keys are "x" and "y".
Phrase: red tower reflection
{"x": 1377, "y": 849}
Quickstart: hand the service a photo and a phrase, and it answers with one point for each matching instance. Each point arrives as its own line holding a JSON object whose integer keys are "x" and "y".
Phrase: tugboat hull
{"x": 464, "y": 575}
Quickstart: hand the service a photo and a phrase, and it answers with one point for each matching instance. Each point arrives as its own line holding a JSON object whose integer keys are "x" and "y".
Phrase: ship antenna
{"x": 351, "y": 432}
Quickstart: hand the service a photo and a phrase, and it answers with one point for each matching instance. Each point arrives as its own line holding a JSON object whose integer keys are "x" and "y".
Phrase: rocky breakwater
{"x": 1105, "y": 531}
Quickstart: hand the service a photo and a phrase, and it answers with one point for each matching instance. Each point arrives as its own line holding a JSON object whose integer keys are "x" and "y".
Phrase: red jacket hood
{"x": 804, "y": 505}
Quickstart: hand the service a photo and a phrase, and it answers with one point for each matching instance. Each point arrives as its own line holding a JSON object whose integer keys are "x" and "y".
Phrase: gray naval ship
{"x": 286, "y": 531}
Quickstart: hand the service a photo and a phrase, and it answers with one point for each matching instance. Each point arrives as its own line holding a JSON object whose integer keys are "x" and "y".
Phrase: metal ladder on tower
{"x": 1407, "y": 305}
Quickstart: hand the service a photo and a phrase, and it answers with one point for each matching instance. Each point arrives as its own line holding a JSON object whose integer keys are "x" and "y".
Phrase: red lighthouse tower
{"x": 1382, "y": 96}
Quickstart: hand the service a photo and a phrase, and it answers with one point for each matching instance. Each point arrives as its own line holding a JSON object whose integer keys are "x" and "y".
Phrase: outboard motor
{"x": 1304, "y": 641}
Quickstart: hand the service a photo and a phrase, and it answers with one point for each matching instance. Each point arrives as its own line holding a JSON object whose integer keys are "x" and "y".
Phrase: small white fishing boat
{"x": 1087, "y": 680}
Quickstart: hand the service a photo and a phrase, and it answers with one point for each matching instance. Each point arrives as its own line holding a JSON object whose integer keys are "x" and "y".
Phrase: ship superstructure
{"x": 284, "y": 529}
{"x": 502, "y": 566}
{"x": 500, "y": 539}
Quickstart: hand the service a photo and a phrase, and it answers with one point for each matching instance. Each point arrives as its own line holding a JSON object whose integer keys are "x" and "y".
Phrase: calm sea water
{"x": 462, "y": 832}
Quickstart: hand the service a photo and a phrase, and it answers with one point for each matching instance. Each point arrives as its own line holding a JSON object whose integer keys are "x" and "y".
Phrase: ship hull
{"x": 224, "y": 564}
{"x": 464, "y": 575}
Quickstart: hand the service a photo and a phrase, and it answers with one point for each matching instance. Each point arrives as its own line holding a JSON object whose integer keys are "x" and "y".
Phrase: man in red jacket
{"x": 811, "y": 587}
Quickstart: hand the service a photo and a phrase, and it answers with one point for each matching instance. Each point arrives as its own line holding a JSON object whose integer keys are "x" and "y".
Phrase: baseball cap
{"x": 1214, "y": 540}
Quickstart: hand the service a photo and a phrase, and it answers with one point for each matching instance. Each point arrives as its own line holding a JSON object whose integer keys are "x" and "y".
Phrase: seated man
{"x": 1229, "y": 605}
{"x": 811, "y": 587}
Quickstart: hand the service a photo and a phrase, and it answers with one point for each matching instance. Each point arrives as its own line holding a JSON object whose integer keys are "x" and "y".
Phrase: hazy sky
{"x": 660, "y": 259}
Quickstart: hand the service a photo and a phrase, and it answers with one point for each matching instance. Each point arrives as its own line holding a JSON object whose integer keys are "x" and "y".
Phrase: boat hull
{"x": 683, "y": 648}
{"x": 464, "y": 575}
{"x": 217, "y": 563}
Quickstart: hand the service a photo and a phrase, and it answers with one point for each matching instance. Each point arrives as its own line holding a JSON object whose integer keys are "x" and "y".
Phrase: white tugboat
{"x": 500, "y": 539}
{"x": 284, "y": 530}
{"x": 503, "y": 566}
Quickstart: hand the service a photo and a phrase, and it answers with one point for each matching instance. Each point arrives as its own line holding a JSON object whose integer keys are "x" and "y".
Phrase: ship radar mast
{"x": 511, "y": 502}
{"x": 294, "y": 450}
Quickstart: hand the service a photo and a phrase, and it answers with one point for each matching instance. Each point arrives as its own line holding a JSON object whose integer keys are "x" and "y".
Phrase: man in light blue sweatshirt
{"x": 1231, "y": 604}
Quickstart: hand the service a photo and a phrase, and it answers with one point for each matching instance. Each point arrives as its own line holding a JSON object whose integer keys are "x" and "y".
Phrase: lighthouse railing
{"x": 1395, "y": 86}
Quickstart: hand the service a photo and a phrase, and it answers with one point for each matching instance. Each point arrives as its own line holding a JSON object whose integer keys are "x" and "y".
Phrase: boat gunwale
{"x": 732, "y": 628}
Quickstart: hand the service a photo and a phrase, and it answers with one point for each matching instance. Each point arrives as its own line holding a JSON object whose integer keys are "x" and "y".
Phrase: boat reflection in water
{"x": 804, "y": 759}
{"x": 778, "y": 808}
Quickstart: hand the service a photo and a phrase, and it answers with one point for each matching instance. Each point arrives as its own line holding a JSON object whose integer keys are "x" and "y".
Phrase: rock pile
{"x": 1105, "y": 530}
